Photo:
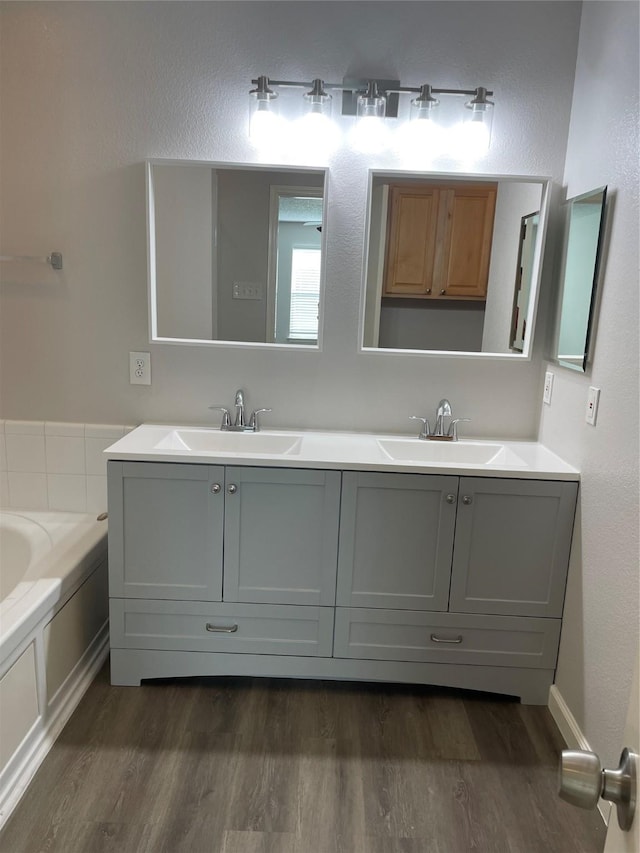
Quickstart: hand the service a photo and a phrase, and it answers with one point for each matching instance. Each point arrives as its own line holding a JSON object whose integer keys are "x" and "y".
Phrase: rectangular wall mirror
{"x": 581, "y": 259}
{"x": 453, "y": 263}
{"x": 235, "y": 253}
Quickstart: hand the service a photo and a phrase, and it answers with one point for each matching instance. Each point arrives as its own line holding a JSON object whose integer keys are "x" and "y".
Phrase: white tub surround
{"x": 337, "y": 555}
{"x": 53, "y": 633}
{"x": 55, "y": 465}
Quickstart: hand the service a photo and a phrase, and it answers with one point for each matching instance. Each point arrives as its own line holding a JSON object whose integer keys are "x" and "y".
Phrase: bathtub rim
{"x": 62, "y": 569}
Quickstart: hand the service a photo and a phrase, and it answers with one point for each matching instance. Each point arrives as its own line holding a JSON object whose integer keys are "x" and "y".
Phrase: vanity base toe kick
{"x": 499, "y": 654}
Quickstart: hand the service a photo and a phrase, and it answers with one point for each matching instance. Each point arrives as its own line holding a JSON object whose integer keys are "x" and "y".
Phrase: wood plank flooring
{"x": 271, "y": 766}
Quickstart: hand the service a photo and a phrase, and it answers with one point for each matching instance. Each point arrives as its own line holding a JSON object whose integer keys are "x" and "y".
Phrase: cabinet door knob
{"x": 451, "y": 499}
{"x": 215, "y": 488}
{"x": 442, "y": 292}
{"x": 467, "y": 499}
{"x": 428, "y": 291}
{"x": 232, "y": 489}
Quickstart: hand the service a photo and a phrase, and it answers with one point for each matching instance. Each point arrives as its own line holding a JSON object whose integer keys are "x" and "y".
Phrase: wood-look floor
{"x": 271, "y": 766}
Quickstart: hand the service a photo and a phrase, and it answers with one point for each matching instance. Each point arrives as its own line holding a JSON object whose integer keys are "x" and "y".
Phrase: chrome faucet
{"x": 240, "y": 424}
{"x": 439, "y": 434}
{"x": 239, "y": 404}
{"x": 443, "y": 411}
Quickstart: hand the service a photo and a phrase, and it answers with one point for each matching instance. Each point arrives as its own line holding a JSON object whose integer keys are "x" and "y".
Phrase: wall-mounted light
{"x": 372, "y": 102}
{"x": 264, "y": 121}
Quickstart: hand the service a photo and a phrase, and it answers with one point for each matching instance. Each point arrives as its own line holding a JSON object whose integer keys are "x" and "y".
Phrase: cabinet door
{"x": 512, "y": 545}
{"x": 165, "y": 530}
{"x": 281, "y": 535}
{"x": 396, "y": 540}
{"x": 463, "y": 248}
{"x": 411, "y": 241}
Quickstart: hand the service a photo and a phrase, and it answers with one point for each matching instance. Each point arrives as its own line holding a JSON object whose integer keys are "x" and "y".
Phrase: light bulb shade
{"x": 371, "y": 104}
{"x": 371, "y": 107}
{"x": 425, "y": 105}
{"x": 317, "y": 101}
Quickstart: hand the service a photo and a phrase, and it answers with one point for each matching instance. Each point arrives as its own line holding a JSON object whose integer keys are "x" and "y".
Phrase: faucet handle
{"x": 254, "y": 420}
{"x": 226, "y": 417}
{"x": 453, "y": 427}
{"x": 426, "y": 429}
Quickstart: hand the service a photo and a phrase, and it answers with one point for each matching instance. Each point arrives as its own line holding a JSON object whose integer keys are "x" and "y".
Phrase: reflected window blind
{"x": 305, "y": 294}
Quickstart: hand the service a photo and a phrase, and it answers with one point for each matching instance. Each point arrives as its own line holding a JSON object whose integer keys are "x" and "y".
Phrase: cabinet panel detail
{"x": 446, "y": 638}
{"x": 165, "y": 530}
{"x": 220, "y": 627}
{"x": 512, "y": 545}
{"x": 396, "y": 540}
{"x": 281, "y": 535}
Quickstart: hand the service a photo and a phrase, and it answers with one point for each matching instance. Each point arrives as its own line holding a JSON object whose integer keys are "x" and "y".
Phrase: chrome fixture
{"x": 240, "y": 424}
{"x": 373, "y": 99}
{"x": 439, "y": 434}
{"x": 54, "y": 259}
{"x": 583, "y": 781}
{"x": 443, "y": 411}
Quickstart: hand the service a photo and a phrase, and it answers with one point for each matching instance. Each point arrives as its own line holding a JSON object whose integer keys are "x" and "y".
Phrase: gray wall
{"x": 600, "y": 634}
{"x": 89, "y": 90}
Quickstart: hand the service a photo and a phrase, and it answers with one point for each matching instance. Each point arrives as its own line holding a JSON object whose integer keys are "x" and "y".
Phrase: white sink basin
{"x": 449, "y": 452}
{"x": 216, "y": 441}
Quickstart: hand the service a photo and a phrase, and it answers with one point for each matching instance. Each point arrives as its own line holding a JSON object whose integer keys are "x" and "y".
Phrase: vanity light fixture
{"x": 372, "y": 101}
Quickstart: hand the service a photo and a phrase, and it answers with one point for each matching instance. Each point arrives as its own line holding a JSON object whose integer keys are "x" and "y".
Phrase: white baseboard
{"x": 573, "y": 735}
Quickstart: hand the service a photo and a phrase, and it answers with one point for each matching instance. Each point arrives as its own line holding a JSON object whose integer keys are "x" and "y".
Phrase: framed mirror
{"x": 449, "y": 267}
{"x": 235, "y": 254}
{"x": 580, "y": 267}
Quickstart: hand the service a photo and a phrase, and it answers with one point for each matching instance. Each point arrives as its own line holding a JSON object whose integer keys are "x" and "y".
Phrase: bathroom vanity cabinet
{"x": 275, "y": 571}
{"x": 439, "y": 240}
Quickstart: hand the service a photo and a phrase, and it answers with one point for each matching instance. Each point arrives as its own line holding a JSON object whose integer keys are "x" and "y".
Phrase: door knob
{"x": 583, "y": 782}
{"x": 232, "y": 489}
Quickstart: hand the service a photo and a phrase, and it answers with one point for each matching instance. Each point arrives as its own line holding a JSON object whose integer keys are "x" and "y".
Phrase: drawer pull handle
{"x": 221, "y": 629}
{"x": 435, "y": 639}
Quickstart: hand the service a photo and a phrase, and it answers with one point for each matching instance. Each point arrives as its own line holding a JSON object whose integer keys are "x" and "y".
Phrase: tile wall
{"x": 59, "y": 466}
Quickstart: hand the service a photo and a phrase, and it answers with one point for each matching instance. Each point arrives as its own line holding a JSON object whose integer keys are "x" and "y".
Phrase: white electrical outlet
{"x": 593, "y": 399}
{"x": 548, "y": 387}
{"x": 140, "y": 368}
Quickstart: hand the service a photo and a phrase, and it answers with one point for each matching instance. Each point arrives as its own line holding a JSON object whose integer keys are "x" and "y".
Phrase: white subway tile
{"x": 96, "y": 462}
{"x": 25, "y": 453}
{"x": 3, "y": 453}
{"x": 59, "y": 428}
{"x": 112, "y": 431}
{"x": 24, "y": 427}
{"x": 27, "y": 490}
{"x": 65, "y": 455}
{"x": 67, "y": 492}
{"x": 96, "y": 494}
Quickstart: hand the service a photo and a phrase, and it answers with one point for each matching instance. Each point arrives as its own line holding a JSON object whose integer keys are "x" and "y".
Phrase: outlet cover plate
{"x": 548, "y": 387}
{"x": 593, "y": 398}
{"x": 140, "y": 368}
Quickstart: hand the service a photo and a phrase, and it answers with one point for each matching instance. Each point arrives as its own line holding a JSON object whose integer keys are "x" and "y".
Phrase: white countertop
{"x": 344, "y": 450}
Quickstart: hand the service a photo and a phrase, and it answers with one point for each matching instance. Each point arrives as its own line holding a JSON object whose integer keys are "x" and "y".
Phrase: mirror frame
{"x": 546, "y": 187}
{"x": 154, "y": 337}
{"x": 595, "y": 280}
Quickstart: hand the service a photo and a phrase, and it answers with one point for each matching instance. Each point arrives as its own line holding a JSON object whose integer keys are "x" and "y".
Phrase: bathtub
{"x": 53, "y": 633}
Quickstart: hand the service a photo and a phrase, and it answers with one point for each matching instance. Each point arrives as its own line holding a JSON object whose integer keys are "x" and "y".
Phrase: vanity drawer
{"x": 446, "y": 638}
{"x": 270, "y": 629}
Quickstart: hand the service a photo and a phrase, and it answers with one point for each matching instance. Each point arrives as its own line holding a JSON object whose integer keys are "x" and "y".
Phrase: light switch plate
{"x": 593, "y": 399}
{"x": 246, "y": 290}
{"x": 548, "y": 387}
